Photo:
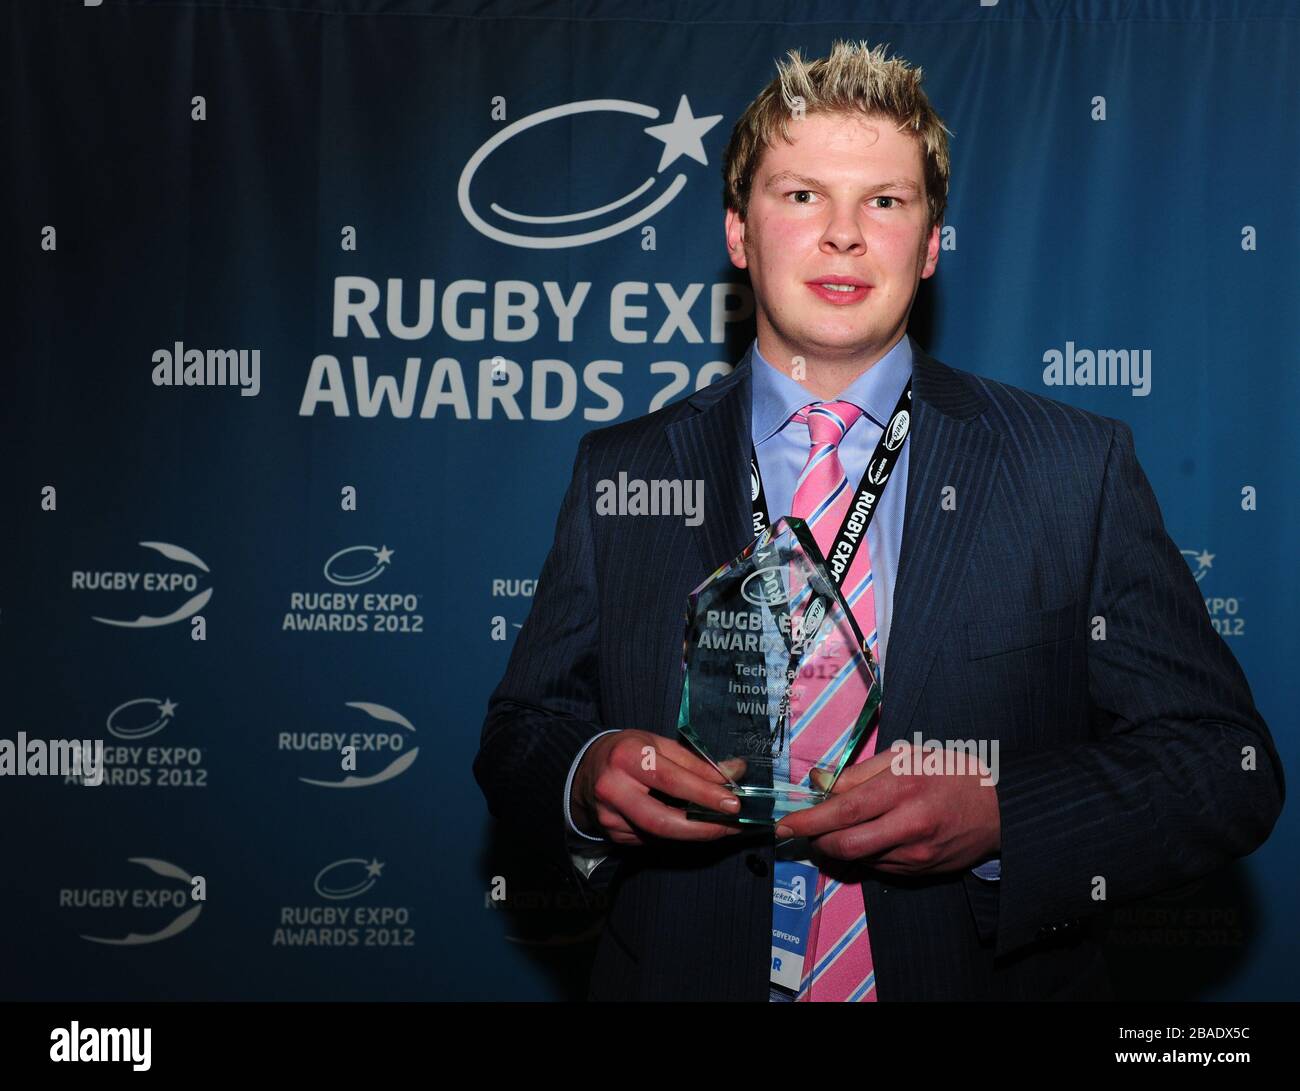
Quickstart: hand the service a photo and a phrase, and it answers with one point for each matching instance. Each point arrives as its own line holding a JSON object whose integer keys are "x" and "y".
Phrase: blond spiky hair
{"x": 854, "y": 79}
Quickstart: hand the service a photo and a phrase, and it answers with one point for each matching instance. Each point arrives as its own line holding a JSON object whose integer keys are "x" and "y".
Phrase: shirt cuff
{"x": 990, "y": 869}
{"x": 568, "y": 787}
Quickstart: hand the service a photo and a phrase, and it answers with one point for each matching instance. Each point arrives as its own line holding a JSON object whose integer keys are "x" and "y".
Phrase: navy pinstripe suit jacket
{"x": 1120, "y": 758}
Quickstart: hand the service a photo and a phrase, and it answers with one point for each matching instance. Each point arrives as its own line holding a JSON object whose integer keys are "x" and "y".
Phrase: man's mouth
{"x": 840, "y": 290}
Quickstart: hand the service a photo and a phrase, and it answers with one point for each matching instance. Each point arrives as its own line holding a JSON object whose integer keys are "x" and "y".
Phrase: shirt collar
{"x": 777, "y": 397}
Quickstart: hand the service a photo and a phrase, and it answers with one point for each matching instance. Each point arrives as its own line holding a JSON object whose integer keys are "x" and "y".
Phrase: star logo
{"x": 1201, "y": 562}
{"x": 682, "y": 135}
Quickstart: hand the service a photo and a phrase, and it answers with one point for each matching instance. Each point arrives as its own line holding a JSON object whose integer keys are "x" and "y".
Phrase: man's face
{"x": 846, "y": 197}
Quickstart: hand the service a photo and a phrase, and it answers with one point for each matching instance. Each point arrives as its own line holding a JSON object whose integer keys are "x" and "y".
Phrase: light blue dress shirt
{"x": 782, "y": 445}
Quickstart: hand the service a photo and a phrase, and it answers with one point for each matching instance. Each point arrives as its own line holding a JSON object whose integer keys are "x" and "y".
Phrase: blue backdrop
{"x": 374, "y": 200}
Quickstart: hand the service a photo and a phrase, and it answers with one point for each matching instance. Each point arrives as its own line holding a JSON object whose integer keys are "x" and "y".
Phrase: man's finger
{"x": 612, "y": 821}
{"x": 868, "y": 841}
{"x": 734, "y": 767}
{"x": 675, "y": 771}
{"x": 687, "y": 759}
{"x": 679, "y": 783}
{"x": 650, "y": 817}
{"x": 861, "y": 803}
{"x": 863, "y": 771}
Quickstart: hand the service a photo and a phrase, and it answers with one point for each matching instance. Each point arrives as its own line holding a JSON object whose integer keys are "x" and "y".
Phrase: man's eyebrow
{"x": 783, "y": 176}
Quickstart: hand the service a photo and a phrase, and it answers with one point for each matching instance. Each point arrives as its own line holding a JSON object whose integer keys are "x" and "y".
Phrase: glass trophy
{"x": 771, "y": 648}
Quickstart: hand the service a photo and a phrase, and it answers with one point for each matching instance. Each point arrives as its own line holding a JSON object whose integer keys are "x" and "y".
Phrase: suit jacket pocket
{"x": 996, "y": 635}
{"x": 982, "y": 894}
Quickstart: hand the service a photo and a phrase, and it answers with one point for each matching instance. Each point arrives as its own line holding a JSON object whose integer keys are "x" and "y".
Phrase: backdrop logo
{"x": 168, "y": 583}
{"x": 348, "y": 567}
{"x": 347, "y": 878}
{"x": 347, "y": 611}
{"x": 328, "y": 924}
{"x": 134, "y": 763}
{"x": 682, "y": 136}
{"x": 1224, "y": 610}
{"x": 129, "y": 902}
{"x": 1200, "y": 561}
{"x": 378, "y": 739}
{"x": 124, "y": 722}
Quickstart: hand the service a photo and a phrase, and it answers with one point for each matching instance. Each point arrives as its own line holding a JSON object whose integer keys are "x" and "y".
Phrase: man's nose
{"x": 843, "y": 232}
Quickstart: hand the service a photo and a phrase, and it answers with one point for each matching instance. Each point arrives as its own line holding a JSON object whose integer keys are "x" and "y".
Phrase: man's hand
{"x": 611, "y": 790}
{"x": 908, "y": 825}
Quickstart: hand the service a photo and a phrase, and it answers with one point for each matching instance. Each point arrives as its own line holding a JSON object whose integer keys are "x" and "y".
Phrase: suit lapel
{"x": 713, "y": 446}
{"x": 950, "y": 445}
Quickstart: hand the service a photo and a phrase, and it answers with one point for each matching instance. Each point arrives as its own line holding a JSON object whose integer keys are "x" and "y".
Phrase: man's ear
{"x": 734, "y": 228}
{"x": 932, "y": 251}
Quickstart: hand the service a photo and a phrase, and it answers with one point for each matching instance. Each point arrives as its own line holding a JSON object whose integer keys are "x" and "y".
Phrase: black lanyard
{"x": 879, "y": 469}
{"x": 843, "y": 549}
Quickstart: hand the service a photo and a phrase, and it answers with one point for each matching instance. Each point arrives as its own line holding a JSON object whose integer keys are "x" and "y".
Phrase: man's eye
{"x": 796, "y": 192}
{"x": 883, "y": 197}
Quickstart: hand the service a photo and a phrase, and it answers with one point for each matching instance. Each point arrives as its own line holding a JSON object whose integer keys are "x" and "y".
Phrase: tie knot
{"x": 828, "y": 421}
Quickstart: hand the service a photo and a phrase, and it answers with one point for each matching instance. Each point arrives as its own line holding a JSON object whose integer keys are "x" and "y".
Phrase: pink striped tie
{"x": 841, "y": 967}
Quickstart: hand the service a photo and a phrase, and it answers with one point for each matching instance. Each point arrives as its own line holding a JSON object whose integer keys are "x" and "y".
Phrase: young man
{"x": 1016, "y": 588}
